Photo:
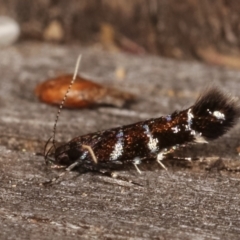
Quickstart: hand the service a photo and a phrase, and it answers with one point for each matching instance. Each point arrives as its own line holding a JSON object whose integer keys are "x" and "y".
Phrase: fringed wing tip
{"x": 220, "y": 111}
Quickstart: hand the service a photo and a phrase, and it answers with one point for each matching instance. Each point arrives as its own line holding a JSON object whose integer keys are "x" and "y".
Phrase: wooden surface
{"x": 194, "y": 203}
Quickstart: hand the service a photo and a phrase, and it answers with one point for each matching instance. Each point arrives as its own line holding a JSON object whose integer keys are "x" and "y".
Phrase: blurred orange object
{"x": 84, "y": 93}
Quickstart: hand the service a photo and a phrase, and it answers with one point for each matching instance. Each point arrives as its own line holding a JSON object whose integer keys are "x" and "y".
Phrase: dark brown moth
{"x": 212, "y": 115}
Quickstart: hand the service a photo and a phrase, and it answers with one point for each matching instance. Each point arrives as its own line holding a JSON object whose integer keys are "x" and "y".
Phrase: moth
{"x": 212, "y": 115}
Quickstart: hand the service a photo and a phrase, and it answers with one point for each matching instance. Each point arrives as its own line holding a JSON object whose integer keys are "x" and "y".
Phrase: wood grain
{"x": 194, "y": 203}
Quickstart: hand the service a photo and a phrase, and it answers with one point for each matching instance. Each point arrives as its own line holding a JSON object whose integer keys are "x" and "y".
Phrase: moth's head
{"x": 67, "y": 154}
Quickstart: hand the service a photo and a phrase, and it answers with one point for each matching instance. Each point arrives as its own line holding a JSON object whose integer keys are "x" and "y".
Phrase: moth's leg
{"x": 76, "y": 163}
{"x": 90, "y": 150}
{"x": 73, "y": 165}
{"x": 189, "y": 159}
{"x": 171, "y": 150}
{"x": 160, "y": 157}
{"x": 137, "y": 161}
{"x": 68, "y": 169}
{"x": 117, "y": 177}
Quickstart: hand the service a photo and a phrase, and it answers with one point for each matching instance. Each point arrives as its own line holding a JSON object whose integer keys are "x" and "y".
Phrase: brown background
{"x": 179, "y": 29}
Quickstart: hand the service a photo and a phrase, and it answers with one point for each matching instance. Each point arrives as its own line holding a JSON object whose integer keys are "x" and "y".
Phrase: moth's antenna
{"x": 65, "y": 97}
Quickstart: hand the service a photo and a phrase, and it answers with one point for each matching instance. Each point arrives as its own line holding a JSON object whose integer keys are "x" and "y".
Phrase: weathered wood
{"x": 192, "y": 204}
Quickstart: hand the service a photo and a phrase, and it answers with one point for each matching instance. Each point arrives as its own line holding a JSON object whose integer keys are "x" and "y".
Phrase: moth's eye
{"x": 74, "y": 154}
{"x": 63, "y": 159}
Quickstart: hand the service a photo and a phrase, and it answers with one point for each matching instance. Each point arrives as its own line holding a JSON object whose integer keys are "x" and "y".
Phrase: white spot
{"x": 160, "y": 156}
{"x": 168, "y": 118}
{"x": 219, "y": 115}
{"x": 152, "y": 143}
{"x": 137, "y": 161}
{"x": 190, "y": 117}
{"x": 199, "y": 138}
{"x": 120, "y": 134}
{"x": 84, "y": 155}
{"x": 175, "y": 129}
{"x": 118, "y": 148}
{"x": 193, "y": 132}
